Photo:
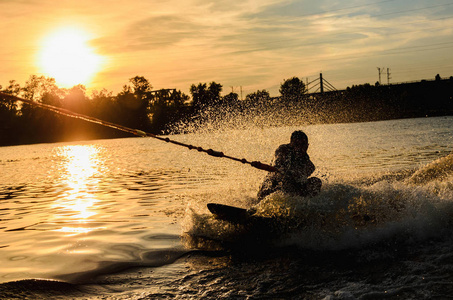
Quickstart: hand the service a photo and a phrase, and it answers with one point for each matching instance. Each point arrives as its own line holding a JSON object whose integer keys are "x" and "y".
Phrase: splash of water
{"x": 347, "y": 215}
{"x": 439, "y": 169}
{"x": 349, "y": 212}
{"x": 249, "y": 116}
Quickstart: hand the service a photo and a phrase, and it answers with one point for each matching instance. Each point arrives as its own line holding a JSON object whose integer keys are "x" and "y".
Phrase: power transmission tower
{"x": 388, "y": 76}
{"x": 380, "y": 72}
{"x": 233, "y": 87}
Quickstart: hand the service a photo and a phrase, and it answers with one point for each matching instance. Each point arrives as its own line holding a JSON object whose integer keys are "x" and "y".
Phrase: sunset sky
{"x": 255, "y": 44}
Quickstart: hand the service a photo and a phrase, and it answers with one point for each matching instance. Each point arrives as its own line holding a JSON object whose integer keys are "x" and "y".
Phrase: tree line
{"x": 166, "y": 111}
{"x": 137, "y": 106}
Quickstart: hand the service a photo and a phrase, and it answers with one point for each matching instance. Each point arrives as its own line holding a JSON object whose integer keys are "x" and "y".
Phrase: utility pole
{"x": 388, "y": 76}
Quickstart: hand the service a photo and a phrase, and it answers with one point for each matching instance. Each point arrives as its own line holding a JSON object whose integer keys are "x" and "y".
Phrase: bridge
{"x": 320, "y": 86}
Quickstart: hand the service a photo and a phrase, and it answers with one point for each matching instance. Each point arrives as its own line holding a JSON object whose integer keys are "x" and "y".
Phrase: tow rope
{"x": 71, "y": 114}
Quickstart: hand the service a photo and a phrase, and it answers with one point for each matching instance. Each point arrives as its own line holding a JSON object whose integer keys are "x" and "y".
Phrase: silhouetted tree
{"x": 141, "y": 87}
{"x": 9, "y": 115}
{"x": 135, "y": 100}
{"x": 38, "y": 124}
{"x": 168, "y": 107}
{"x": 230, "y": 99}
{"x": 106, "y": 107}
{"x": 13, "y": 88}
{"x": 35, "y": 87}
{"x": 204, "y": 96}
{"x": 292, "y": 89}
{"x": 258, "y": 97}
{"x": 8, "y": 106}
{"x": 76, "y": 100}
{"x": 214, "y": 91}
{"x": 199, "y": 95}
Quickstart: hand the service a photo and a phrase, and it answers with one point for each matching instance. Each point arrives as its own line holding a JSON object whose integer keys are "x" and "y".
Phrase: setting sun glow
{"x": 66, "y": 56}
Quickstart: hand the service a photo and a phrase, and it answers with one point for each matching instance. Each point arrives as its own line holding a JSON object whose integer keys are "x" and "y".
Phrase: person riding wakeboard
{"x": 294, "y": 168}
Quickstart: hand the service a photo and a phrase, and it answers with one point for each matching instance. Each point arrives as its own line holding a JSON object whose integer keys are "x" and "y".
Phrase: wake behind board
{"x": 229, "y": 213}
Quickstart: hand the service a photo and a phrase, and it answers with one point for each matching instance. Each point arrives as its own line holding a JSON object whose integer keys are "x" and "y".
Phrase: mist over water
{"x": 88, "y": 212}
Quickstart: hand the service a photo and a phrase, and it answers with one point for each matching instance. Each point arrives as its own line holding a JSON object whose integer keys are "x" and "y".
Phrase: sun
{"x": 66, "y": 56}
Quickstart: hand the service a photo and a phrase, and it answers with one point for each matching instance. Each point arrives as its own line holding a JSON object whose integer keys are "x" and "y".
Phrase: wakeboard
{"x": 230, "y": 213}
{"x": 253, "y": 226}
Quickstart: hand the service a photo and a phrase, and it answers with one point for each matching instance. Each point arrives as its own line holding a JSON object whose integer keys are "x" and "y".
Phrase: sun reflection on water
{"x": 76, "y": 205}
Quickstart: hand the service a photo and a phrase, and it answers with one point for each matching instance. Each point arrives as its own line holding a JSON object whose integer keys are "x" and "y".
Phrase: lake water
{"x": 127, "y": 218}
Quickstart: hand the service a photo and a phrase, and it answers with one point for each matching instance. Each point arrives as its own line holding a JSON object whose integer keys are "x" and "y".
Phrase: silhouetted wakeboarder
{"x": 294, "y": 168}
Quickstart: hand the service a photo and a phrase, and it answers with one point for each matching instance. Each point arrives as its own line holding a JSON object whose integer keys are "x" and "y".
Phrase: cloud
{"x": 257, "y": 41}
{"x": 155, "y": 32}
{"x": 239, "y": 42}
